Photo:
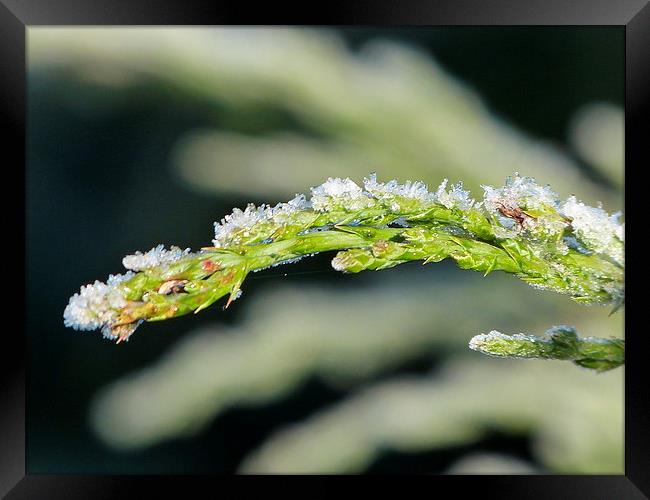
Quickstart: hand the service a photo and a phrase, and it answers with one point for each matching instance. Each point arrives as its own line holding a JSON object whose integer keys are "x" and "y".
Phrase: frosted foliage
{"x": 282, "y": 211}
{"x": 480, "y": 342}
{"x": 299, "y": 202}
{"x": 519, "y": 192}
{"x": 545, "y": 231}
{"x": 238, "y": 220}
{"x": 95, "y": 304}
{"x": 595, "y": 229}
{"x": 115, "y": 279}
{"x": 456, "y": 197}
{"x": 153, "y": 258}
{"x": 338, "y": 193}
{"x": 385, "y": 190}
{"x": 243, "y": 221}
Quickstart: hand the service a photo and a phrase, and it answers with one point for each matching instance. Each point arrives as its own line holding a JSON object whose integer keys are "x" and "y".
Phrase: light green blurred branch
{"x": 597, "y": 133}
{"x": 563, "y": 409}
{"x": 384, "y": 107}
{"x": 290, "y": 333}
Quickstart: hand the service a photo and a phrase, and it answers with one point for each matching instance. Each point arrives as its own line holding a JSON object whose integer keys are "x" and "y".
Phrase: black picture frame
{"x": 16, "y": 16}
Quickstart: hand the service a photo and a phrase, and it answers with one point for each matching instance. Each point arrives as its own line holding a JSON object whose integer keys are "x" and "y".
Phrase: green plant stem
{"x": 522, "y": 229}
{"x": 560, "y": 342}
{"x": 361, "y": 248}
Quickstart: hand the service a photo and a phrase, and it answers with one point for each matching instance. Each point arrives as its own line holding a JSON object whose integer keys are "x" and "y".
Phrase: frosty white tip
{"x": 484, "y": 342}
{"x": 95, "y": 304}
{"x": 153, "y": 258}
{"x": 414, "y": 190}
{"x": 477, "y": 342}
{"x": 596, "y": 229}
{"x": 339, "y": 193}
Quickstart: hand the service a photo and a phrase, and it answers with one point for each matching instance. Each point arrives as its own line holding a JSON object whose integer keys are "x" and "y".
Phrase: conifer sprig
{"x": 560, "y": 342}
{"x": 521, "y": 228}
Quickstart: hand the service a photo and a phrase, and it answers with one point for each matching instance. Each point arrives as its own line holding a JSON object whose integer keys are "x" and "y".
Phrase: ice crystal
{"x": 299, "y": 202}
{"x": 296, "y": 204}
{"x": 244, "y": 221}
{"x": 595, "y": 229}
{"x": 456, "y": 197}
{"x": 519, "y": 192}
{"x": 482, "y": 342}
{"x": 239, "y": 220}
{"x": 153, "y": 258}
{"x": 95, "y": 304}
{"x": 116, "y": 279}
{"x": 339, "y": 193}
{"x": 387, "y": 190}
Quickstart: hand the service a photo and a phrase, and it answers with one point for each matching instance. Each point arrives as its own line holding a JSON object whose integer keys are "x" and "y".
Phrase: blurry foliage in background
{"x": 367, "y": 367}
{"x": 387, "y": 108}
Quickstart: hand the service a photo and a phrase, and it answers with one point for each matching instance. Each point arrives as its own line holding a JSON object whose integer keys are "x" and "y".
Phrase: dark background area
{"x": 99, "y": 186}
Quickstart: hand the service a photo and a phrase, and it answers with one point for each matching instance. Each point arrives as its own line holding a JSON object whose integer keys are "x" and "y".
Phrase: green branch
{"x": 521, "y": 228}
{"x": 560, "y": 342}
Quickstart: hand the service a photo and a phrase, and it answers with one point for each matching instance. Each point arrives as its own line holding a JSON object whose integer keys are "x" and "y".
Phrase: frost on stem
{"x": 96, "y": 305}
{"x": 522, "y": 205}
{"x": 391, "y": 191}
{"x": 239, "y": 221}
{"x": 520, "y": 228}
{"x": 596, "y": 229}
{"x": 560, "y": 342}
{"x": 238, "y": 226}
{"x": 153, "y": 258}
{"x": 338, "y": 193}
{"x": 456, "y": 197}
{"x": 520, "y": 192}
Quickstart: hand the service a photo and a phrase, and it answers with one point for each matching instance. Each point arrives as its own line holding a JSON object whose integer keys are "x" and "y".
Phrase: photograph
{"x": 325, "y": 250}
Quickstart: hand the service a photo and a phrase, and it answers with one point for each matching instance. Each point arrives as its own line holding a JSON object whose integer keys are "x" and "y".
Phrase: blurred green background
{"x": 142, "y": 136}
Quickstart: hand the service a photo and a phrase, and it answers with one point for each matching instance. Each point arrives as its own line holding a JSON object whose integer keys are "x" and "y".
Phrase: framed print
{"x": 381, "y": 240}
